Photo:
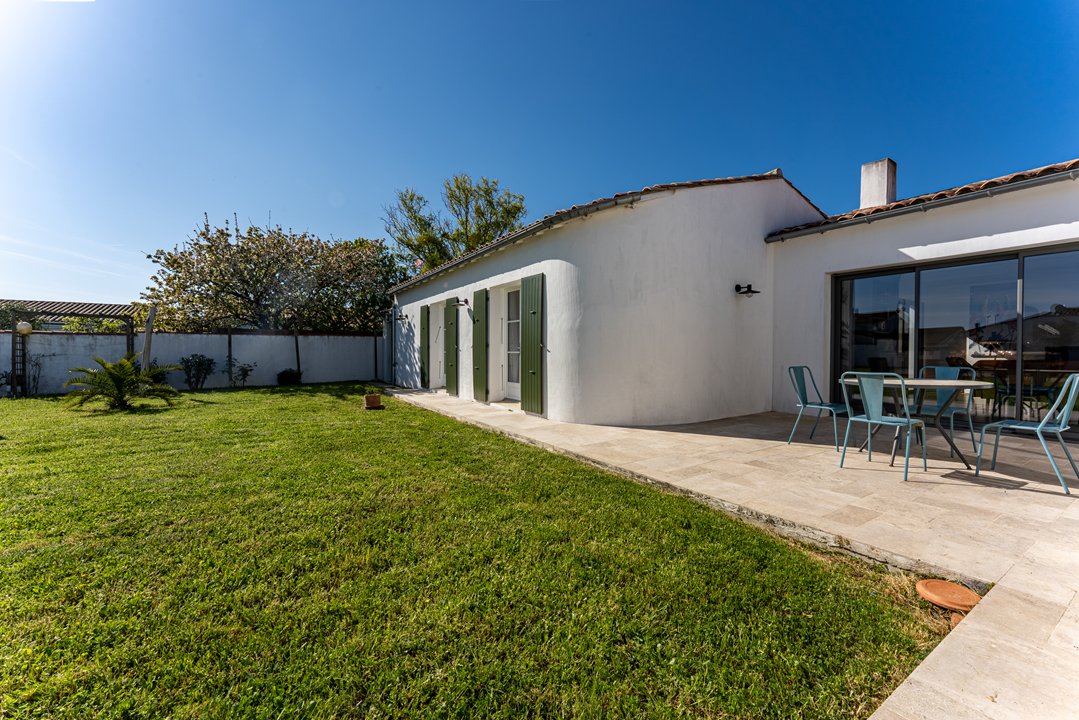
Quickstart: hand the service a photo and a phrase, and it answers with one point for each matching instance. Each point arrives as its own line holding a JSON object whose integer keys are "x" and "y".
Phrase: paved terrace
{"x": 1015, "y": 656}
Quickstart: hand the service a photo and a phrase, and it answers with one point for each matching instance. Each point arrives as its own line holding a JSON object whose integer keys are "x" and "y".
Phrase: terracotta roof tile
{"x": 1056, "y": 168}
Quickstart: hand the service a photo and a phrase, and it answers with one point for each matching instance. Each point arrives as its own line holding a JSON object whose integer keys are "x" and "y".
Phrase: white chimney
{"x": 878, "y": 183}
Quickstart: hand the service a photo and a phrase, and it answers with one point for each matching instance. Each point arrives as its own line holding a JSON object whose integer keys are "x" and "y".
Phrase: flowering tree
{"x": 271, "y": 279}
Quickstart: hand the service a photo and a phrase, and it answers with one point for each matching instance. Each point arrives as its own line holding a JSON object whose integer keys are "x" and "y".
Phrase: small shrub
{"x": 243, "y": 372}
{"x": 196, "y": 369}
{"x": 156, "y": 372}
{"x": 117, "y": 384}
{"x": 290, "y": 376}
{"x": 239, "y": 372}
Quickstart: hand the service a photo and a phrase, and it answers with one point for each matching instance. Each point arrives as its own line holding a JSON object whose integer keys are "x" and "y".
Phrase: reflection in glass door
{"x": 1050, "y": 327}
{"x": 876, "y": 324}
{"x": 513, "y": 344}
{"x": 968, "y": 318}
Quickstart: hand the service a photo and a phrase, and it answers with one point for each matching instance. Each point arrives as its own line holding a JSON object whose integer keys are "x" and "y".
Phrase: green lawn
{"x": 283, "y": 553}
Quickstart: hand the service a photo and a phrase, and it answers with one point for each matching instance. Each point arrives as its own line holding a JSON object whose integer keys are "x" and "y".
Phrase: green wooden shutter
{"x": 425, "y": 346}
{"x": 532, "y": 343}
{"x": 479, "y": 345}
{"x": 450, "y": 344}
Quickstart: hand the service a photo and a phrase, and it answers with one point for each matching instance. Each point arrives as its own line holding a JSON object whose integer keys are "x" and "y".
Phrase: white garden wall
{"x": 323, "y": 358}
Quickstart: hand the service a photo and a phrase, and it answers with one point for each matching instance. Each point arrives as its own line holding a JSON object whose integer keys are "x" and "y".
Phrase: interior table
{"x": 928, "y": 384}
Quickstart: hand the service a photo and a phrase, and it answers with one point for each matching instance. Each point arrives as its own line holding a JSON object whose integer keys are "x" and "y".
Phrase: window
{"x": 513, "y": 344}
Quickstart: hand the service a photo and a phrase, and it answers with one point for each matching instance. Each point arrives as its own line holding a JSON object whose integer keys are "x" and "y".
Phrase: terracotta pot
{"x": 372, "y": 402}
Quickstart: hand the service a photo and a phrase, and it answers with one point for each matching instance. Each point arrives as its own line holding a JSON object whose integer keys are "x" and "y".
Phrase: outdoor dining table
{"x": 931, "y": 384}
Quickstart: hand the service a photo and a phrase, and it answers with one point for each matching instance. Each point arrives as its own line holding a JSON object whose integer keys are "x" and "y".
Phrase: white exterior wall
{"x": 324, "y": 358}
{"x": 642, "y": 323}
{"x": 1026, "y": 219}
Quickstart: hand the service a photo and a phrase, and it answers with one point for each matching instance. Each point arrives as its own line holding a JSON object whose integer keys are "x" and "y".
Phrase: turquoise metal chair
{"x": 1055, "y": 421}
{"x": 798, "y": 375}
{"x": 948, "y": 372}
{"x": 871, "y": 392}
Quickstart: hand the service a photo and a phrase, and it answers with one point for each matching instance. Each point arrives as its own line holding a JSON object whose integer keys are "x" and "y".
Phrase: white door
{"x": 513, "y": 345}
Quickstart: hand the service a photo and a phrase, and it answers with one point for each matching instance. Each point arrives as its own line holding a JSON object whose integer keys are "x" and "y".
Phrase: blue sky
{"x": 123, "y": 121}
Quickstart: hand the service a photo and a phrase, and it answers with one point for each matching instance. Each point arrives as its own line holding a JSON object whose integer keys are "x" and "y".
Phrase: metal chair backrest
{"x": 944, "y": 372}
{"x": 1060, "y": 413}
{"x": 798, "y": 375}
{"x": 871, "y": 391}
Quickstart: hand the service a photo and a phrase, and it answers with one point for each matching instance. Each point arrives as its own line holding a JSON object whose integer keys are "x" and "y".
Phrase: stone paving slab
{"x": 1016, "y": 655}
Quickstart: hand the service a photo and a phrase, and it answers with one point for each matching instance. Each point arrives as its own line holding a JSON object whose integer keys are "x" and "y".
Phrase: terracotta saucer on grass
{"x": 952, "y": 596}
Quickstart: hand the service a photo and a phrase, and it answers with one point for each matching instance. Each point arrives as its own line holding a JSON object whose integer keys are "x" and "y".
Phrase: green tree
{"x": 104, "y": 326}
{"x": 10, "y": 311}
{"x": 272, "y": 279}
{"x": 479, "y": 212}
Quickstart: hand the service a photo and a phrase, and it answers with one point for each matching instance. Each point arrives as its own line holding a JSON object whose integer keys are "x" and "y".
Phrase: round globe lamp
{"x": 24, "y": 328}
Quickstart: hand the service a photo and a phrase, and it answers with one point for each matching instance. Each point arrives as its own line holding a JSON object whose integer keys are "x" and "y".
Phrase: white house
{"x": 625, "y": 311}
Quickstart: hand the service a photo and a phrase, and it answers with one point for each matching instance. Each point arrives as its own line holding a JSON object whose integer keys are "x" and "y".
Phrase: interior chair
{"x": 871, "y": 391}
{"x": 1055, "y": 421}
{"x": 799, "y": 374}
{"x": 947, "y": 372}
{"x": 1005, "y": 392}
{"x": 1039, "y": 395}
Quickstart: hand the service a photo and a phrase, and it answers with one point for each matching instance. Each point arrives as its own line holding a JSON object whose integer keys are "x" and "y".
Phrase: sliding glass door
{"x": 1013, "y": 320}
{"x": 1050, "y": 326}
{"x": 968, "y": 319}
{"x": 876, "y": 323}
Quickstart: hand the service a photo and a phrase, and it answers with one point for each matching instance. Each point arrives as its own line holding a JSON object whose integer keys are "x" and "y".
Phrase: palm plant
{"x": 119, "y": 383}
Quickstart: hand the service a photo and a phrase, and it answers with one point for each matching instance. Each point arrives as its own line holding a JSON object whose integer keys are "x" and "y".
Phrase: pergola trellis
{"x": 53, "y": 311}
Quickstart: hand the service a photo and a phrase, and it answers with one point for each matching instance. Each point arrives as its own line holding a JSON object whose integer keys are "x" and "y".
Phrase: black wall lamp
{"x": 746, "y": 290}
{"x": 460, "y": 303}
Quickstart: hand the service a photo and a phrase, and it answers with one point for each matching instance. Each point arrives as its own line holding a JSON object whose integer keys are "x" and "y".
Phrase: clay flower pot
{"x": 372, "y": 402}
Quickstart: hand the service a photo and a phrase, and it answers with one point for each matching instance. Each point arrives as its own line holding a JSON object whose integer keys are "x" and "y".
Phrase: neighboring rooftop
{"x": 57, "y": 310}
{"x": 971, "y": 191}
{"x": 575, "y": 211}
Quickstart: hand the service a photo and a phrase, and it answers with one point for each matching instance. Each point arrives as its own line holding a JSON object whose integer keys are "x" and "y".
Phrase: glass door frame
{"x": 917, "y": 268}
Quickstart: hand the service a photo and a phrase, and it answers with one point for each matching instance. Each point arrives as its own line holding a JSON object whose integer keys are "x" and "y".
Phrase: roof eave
{"x": 560, "y": 218}
{"x": 925, "y": 206}
{"x": 515, "y": 237}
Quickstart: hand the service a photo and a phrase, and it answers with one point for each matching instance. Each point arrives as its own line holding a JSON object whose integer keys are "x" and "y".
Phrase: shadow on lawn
{"x": 340, "y": 391}
{"x": 100, "y": 411}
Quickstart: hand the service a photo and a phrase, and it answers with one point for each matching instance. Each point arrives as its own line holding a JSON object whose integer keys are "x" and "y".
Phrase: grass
{"x": 282, "y": 553}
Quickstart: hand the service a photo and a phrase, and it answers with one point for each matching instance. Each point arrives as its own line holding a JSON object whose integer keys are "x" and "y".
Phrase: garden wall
{"x": 323, "y": 358}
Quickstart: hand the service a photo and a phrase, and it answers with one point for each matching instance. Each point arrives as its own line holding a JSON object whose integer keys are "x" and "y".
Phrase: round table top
{"x": 930, "y": 383}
